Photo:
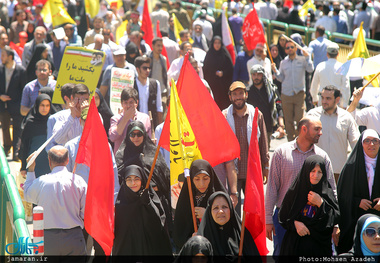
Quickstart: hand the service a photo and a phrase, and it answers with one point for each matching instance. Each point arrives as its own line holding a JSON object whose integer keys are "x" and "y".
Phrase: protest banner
{"x": 79, "y": 65}
{"x": 120, "y": 79}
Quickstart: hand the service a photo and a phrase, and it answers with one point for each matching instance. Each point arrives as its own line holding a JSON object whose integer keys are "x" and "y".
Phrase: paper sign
{"x": 79, "y": 65}
{"x": 120, "y": 79}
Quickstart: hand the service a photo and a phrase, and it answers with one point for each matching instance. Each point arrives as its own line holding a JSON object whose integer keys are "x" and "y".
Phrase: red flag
{"x": 164, "y": 52}
{"x": 252, "y": 29}
{"x": 288, "y": 3}
{"x": 16, "y": 48}
{"x": 146, "y": 25}
{"x": 254, "y": 193}
{"x": 216, "y": 140}
{"x": 94, "y": 151}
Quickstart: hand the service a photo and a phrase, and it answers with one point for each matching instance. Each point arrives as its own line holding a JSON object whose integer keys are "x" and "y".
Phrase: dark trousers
{"x": 5, "y": 119}
{"x": 240, "y": 186}
{"x": 63, "y": 242}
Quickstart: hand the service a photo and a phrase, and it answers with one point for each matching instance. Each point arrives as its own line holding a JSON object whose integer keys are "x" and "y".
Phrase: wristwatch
{"x": 237, "y": 194}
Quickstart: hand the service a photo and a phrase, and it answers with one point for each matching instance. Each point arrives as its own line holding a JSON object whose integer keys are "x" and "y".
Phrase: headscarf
{"x": 104, "y": 111}
{"x": 31, "y": 68}
{"x": 129, "y": 154}
{"x": 195, "y": 245}
{"x": 281, "y": 50}
{"x": 352, "y": 187}
{"x": 359, "y": 249}
{"x": 218, "y": 61}
{"x": 139, "y": 220}
{"x": 35, "y": 123}
{"x": 296, "y": 198}
{"x": 54, "y": 107}
{"x": 225, "y": 239}
{"x": 183, "y": 221}
{"x": 131, "y": 49}
{"x": 276, "y": 60}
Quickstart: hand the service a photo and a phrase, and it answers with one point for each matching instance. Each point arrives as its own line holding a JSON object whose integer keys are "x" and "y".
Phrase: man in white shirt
{"x": 325, "y": 75}
{"x": 160, "y": 15}
{"x": 63, "y": 196}
{"x": 260, "y": 58}
{"x": 149, "y": 90}
{"x": 339, "y": 128}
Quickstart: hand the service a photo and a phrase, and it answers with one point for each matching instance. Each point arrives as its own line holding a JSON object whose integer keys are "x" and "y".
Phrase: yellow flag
{"x": 183, "y": 145}
{"x": 55, "y": 13}
{"x": 305, "y": 8}
{"x": 178, "y": 28}
{"x": 92, "y": 7}
{"x": 120, "y": 31}
{"x": 360, "y": 51}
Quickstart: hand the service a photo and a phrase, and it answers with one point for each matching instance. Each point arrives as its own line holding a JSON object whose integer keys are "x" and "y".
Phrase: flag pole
{"x": 153, "y": 165}
{"x": 242, "y": 237}
{"x": 185, "y": 158}
{"x": 270, "y": 55}
{"x": 370, "y": 81}
{"x": 191, "y": 200}
{"x": 295, "y": 43}
{"x": 75, "y": 167}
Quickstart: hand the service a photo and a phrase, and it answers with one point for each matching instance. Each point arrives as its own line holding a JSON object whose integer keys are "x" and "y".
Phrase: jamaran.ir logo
{"x": 23, "y": 247}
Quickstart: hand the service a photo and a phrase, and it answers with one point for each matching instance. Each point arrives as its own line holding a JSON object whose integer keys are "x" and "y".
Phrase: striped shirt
{"x": 286, "y": 163}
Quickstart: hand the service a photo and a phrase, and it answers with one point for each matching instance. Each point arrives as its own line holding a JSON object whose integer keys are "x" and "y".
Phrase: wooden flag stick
{"x": 192, "y": 204}
{"x": 242, "y": 237}
{"x": 75, "y": 167}
{"x": 295, "y": 43}
{"x": 370, "y": 81}
{"x": 270, "y": 55}
{"x": 153, "y": 165}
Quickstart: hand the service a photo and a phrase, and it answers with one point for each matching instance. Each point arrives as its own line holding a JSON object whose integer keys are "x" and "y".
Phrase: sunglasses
{"x": 374, "y": 141}
{"x": 138, "y": 134}
{"x": 145, "y": 68}
{"x": 371, "y": 232}
{"x": 291, "y": 47}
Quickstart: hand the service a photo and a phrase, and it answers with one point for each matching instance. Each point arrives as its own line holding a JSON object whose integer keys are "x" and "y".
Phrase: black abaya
{"x": 195, "y": 245}
{"x": 218, "y": 61}
{"x": 225, "y": 239}
{"x": 139, "y": 220}
{"x": 319, "y": 220}
{"x": 183, "y": 221}
{"x": 352, "y": 188}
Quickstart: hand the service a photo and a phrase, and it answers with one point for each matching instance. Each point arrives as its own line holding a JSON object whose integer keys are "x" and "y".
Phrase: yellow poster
{"x": 79, "y": 65}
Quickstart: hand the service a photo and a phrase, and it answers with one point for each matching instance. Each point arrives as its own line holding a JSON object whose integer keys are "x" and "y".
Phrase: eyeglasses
{"x": 145, "y": 68}
{"x": 291, "y": 47}
{"x": 374, "y": 141}
{"x": 371, "y": 232}
{"x": 138, "y": 134}
{"x": 42, "y": 70}
{"x": 130, "y": 180}
{"x": 106, "y": 34}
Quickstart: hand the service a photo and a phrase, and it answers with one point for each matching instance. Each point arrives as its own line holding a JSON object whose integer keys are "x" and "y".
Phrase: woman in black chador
{"x": 309, "y": 212}
{"x": 139, "y": 218}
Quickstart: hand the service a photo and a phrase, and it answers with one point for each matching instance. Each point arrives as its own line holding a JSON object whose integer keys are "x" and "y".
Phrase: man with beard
{"x": 240, "y": 116}
{"x": 339, "y": 125}
{"x": 264, "y": 95}
{"x": 286, "y": 162}
{"x": 260, "y": 58}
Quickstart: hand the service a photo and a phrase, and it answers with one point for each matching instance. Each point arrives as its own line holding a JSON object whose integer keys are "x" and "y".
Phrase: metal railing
{"x": 12, "y": 214}
{"x": 274, "y": 28}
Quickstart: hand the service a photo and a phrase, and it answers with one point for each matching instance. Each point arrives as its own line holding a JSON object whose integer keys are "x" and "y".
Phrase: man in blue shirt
{"x": 318, "y": 47}
{"x": 240, "y": 68}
